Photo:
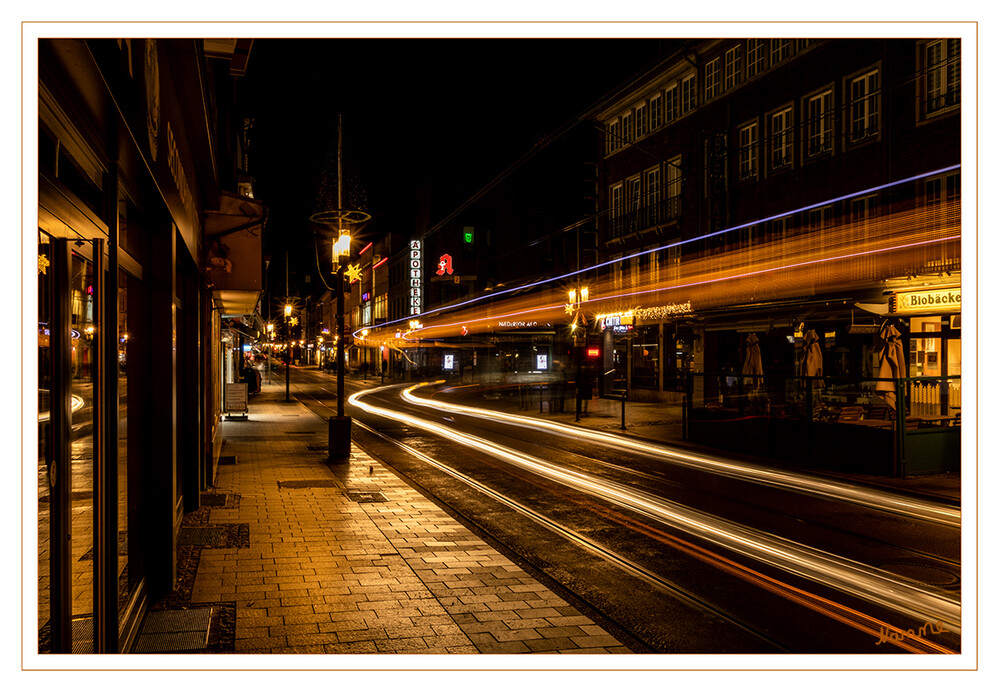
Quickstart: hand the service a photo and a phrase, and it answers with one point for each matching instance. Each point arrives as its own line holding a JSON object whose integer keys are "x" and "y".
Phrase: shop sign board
{"x": 935, "y": 300}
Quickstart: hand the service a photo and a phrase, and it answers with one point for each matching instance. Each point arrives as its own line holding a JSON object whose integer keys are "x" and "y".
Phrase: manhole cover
{"x": 310, "y": 483}
{"x": 920, "y": 573}
{"x": 365, "y": 496}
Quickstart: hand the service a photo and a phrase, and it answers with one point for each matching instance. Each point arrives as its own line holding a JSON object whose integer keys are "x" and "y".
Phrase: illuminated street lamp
{"x": 287, "y": 362}
{"x": 339, "y": 427}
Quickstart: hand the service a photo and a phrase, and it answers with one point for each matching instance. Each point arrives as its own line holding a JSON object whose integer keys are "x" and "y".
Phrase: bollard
{"x": 339, "y": 438}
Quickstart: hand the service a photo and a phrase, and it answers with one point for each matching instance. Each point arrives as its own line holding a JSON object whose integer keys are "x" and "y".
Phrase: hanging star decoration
{"x": 294, "y": 321}
{"x": 569, "y": 307}
{"x": 353, "y": 273}
{"x": 43, "y": 264}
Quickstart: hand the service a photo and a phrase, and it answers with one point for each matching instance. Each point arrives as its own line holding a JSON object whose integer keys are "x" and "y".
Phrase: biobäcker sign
{"x": 936, "y": 300}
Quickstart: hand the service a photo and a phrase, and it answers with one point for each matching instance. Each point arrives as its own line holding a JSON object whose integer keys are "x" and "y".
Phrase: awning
{"x": 234, "y": 265}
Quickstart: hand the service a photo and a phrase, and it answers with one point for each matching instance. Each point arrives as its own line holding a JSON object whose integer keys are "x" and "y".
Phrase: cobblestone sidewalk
{"x": 349, "y": 559}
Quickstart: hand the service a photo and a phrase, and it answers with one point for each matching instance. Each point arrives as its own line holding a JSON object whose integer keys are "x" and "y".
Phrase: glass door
{"x": 68, "y": 332}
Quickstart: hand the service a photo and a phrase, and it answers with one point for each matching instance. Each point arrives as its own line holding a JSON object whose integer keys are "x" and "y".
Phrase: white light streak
{"x": 790, "y": 480}
{"x": 848, "y": 576}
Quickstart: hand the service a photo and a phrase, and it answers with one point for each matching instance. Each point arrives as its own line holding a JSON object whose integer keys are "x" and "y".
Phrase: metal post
{"x": 339, "y": 427}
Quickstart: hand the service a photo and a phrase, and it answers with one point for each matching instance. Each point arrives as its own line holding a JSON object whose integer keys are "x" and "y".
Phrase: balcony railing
{"x": 660, "y": 212}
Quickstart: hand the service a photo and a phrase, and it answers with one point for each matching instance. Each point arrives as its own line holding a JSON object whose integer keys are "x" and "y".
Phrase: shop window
{"x": 645, "y": 358}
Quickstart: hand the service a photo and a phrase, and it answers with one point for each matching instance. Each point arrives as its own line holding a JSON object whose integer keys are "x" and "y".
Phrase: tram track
{"x": 637, "y": 517}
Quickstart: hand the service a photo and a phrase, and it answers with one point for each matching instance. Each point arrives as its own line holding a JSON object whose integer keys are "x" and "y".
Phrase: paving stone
{"x": 325, "y": 574}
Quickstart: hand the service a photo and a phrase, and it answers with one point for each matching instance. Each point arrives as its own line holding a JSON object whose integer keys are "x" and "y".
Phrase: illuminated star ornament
{"x": 294, "y": 321}
{"x": 353, "y": 273}
{"x": 43, "y": 264}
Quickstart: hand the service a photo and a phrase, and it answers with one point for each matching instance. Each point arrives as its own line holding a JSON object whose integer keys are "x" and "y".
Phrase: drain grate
{"x": 310, "y": 483}
{"x": 211, "y": 536}
{"x": 82, "y": 635}
{"x": 174, "y": 630}
{"x": 227, "y": 460}
{"x": 215, "y": 536}
{"x": 365, "y": 496}
{"x": 214, "y": 499}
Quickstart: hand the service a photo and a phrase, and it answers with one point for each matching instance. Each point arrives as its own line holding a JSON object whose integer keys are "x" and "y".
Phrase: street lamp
{"x": 287, "y": 362}
{"x": 339, "y": 432}
{"x": 339, "y": 444}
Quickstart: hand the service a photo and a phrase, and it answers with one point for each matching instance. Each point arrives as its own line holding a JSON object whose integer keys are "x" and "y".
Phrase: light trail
{"x": 883, "y": 501}
{"x": 847, "y": 576}
{"x": 705, "y": 236}
{"x": 808, "y": 263}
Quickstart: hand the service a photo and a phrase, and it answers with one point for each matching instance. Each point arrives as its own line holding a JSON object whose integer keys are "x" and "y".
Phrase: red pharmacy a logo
{"x": 444, "y": 265}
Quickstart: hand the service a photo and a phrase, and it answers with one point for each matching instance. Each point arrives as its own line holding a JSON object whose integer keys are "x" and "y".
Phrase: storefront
{"x": 128, "y": 336}
{"x": 934, "y": 347}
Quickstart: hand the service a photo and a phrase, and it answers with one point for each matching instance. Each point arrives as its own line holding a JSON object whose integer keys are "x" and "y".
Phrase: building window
{"x": 616, "y": 209}
{"x": 381, "y": 307}
{"x": 672, "y": 103}
{"x": 944, "y": 188}
{"x": 733, "y": 67}
{"x": 627, "y": 133}
{"x": 756, "y": 56}
{"x": 712, "y": 78}
{"x": 943, "y": 75}
{"x": 804, "y": 43}
{"x": 781, "y": 139}
{"x": 688, "y": 94}
{"x": 674, "y": 188}
{"x": 655, "y": 112}
{"x": 747, "y": 237}
{"x": 634, "y": 201}
{"x": 653, "y": 197}
{"x": 864, "y": 106}
{"x": 749, "y": 141}
{"x": 641, "y": 121}
{"x": 819, "y": 126}
{"x": 613, "y": 136}
{"x": 780, "y": 49}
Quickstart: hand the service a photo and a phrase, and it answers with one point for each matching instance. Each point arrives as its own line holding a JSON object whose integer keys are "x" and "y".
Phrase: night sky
{"x": 456, "y": 112}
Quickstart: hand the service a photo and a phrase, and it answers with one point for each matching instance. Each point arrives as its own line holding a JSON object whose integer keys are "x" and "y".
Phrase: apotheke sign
{"x": 945, "y": 299}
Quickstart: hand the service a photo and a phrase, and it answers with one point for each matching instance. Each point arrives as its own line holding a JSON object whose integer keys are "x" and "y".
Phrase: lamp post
{"x": 339, "y": 427}
{"x": 574, "y": 307}
{"x": 270, "y": 351}
{"x": 287, "y": 361}
{"x": 339, "y": 433}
